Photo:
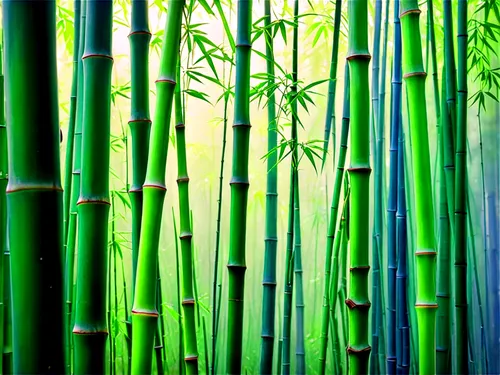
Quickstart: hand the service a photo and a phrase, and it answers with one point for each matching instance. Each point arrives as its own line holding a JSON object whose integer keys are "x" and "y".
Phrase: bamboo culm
{"x": 461, "y": 275}
{"x": 90, "y": 330}
{"x": 358, "y": 302}
{"x": 289, "y": 257}
{"x": 144, "y": 312}
{"x": 332, "y": 84}
{"x": 188, "y": 299}
{"x": 34, "y": 194}
{"x": 271, "y": 235}
{"x": 392, "y": 204}
{"x": 425, "y": 254}
{"x": 239, "y": 190}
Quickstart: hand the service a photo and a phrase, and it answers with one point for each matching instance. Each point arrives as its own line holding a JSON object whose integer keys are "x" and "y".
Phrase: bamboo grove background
{"x": 324, "y": 238}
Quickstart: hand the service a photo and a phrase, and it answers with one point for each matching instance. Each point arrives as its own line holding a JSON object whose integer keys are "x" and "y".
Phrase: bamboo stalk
{"x": 90, "y": 331}
{"x": 144, "y": 312}
{"x": 358, "y": 301}
{"x": 34, "y": 194}
{"x": 332, "y": 84}
{"x": 68, "y": 165}
{"x": 70, "y": 241}
{"x": 185, "y": 237}
{"x": 300, "y": 350}
{"x": 271, "y": 235}
{"x": 140, "y": 126}
{"x": 425, "y": 254}
{"x": 461, "y": 276}
{"x": 239, "y": 189}
{"x": 392, "y": 204}
{"x": 289, "y": 258}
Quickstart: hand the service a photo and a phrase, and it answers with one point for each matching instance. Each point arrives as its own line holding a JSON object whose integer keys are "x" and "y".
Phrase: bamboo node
{"x": 166, "y": 80}
{"x": 180, "y": 125}
{"x": 426, "y": 305}
{"x": 191, "y": 358}
{"x": 155, "y": 186}
{"x": 135, "y": 120}
{"x": 185, "y": 235}
{"x": 237, "y": 267}
{"x": 183, "y": 179}
{"x": 188, "y": 301}
{"x": 151, "y": 313}
{"x": 414, "y": 74}
{"x": 353, "y": 305}
{"x": 360, "y": 56}
{"x": 365, "y": 350}
{"x": 93, "y": 201}
{"x": 108, "y": 57}
{"x": 242, "y": 125}
{"x": 409, "y": 11}
{"x": 236, "y": 299}
{"x": 139, "y": 32}
{"x": 363, "y": 170}
{"x": 270, "y": 283}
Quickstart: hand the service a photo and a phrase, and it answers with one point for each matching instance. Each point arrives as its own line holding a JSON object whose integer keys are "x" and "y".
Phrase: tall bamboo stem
{"x": 358, "y": 301}
{"x": 144, "y": 312}
{"x": 414, "y": 76}
{"x": 34, "y": 194}
{"x": 239, "y": 189}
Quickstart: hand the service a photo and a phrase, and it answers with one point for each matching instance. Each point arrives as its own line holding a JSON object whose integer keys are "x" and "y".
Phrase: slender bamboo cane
{"x": 449, "y": 131}
{"x": 188, "y": 299}
{"x": 140, "y": 125}
{"x": 68, "y": 165}
{"x": 271, "y": 236}
{"x": 300, "y": 349}
{"x": 392, "y": 203}
{"x": 90, "y": 330}
{"x": 5, "y": 310}
{"x": 332, "y": 84}
{"x": 333, "y": 223}
{"x": 377, "y": 240}
{"x": 144, "y": 313}
{"x": 289, "y": 258}
{"x": 358, "y": 348}
{"x": 414, "y": 76}
{"x": 34, "y": 194}
{"x": 402, "y": 315}
{"x": 75, "y": 192}
{"x": 432, "y": 37}
{"x": 461, "y": 336}
{"x": 443, "y": 337}
{"x": 239, "y": 189}
{"x": 179, "y": 311}
{"x": 3, "y": 207}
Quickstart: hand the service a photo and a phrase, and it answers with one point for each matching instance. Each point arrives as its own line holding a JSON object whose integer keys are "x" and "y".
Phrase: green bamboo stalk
{"x": 34, "y": 194}
{"x": 461, "y": 336}
{"x": 432, "y": 37}
{"x": 3, "y": 206}
{"x": 333, "y": 223}
{"x": 300, "y": 350}
{"x": 144, "y": 313}
{"x": 70, "y": 243}
{"x": 443, "y": 337}
{"x": 377, "y": 201}
{"x": 332, "y": 84}
{"x": 358, "y": 348}
{"x": 140, "y": 122}
{"x": 90, "y": 330}
{"x": 289, "y": 258}
{"x": 178, "y": 285}
{"x": 414, "y": 76}
{"x": 271, "y": 235}
{"x": 5, "y": 310}
{"x": 68, "y": 165}
{"x": 185, "y": 237}
{"x": 449, "y": 131}
{"x": 216, "y": 296}
{"x": 239, "y": 189}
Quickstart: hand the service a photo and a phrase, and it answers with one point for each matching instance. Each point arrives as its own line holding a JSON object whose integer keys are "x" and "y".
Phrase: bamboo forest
{"x": 250, "y": 187}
